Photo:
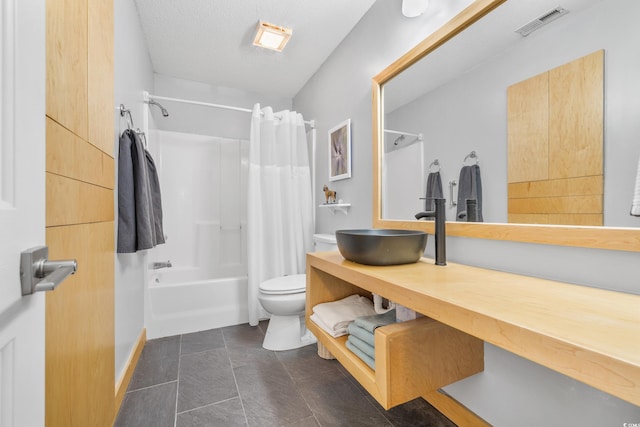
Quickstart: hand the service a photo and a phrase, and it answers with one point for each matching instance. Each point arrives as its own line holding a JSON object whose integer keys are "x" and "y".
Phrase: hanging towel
{"x": 434, "y": 191}
{"x": 362, "y": 346}
{"x": 366, "y": 359}
{"x": 361, "y": 333}
{"x": 139, "y": 201}
{"x": 338, "y": 314}
{"x": 635, "y": 204}
{"x": 469, "y": 187}
{"x": 370, "y": 323}
{"x": 156, "y": 200}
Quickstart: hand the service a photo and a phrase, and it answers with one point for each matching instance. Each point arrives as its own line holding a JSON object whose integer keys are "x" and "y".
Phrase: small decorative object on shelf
{"x": 329, "y": 195}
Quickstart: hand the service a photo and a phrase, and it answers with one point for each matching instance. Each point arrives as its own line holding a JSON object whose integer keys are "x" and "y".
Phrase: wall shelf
{"x": 586, "y": 333}
{"x": 337, "y": 207}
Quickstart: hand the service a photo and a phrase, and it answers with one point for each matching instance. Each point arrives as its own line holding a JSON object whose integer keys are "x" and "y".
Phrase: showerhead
{"x": 164, "y": 111}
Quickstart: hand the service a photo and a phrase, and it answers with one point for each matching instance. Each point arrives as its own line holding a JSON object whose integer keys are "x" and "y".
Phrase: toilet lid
{"x": 293, "y": 284}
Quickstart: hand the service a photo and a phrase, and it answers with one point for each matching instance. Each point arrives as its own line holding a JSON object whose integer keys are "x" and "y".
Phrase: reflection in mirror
{"x": 456, "y": 99}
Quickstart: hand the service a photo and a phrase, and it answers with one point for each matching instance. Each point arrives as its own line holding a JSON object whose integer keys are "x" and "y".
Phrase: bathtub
{"x": 178, "y": 304}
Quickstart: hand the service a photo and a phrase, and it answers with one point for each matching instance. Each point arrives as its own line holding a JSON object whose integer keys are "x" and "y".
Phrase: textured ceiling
{"x": 211, "y": 40}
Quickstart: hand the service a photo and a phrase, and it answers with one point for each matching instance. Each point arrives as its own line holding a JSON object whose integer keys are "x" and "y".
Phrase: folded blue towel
{"x": 366, "y": 359}
{"x": 361, "y": 333}
{"x": 362, "y": 346}
{"x": 370, "y": 323}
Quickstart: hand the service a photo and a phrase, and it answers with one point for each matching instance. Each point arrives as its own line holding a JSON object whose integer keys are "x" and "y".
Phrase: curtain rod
{"x": 312, "y": 123}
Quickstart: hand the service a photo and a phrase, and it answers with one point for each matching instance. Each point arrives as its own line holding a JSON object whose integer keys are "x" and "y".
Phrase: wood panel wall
{"x": 555, "y": 145}
{"x": 80, "y": 178}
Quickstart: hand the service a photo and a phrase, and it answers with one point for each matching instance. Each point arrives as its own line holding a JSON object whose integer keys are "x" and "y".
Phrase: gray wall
{"x": 133, "y": 74}
{"x": 511, "y": 390}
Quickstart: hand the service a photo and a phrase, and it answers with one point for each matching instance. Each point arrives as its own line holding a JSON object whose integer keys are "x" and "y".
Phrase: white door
{"x": 22, "y": 208}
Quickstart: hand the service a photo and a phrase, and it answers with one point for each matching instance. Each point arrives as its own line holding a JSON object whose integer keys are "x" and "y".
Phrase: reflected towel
{"x": 434, "y": 191}
{"x": 370, "y": 323}
{"x": 635, "y": 204}
{"x": 361, "y": 333}
{"x": 338, "y": 314}
{"x": 362, "y": 346}
{"x": 469, "y": 187}
{"x": 366, "y": 359}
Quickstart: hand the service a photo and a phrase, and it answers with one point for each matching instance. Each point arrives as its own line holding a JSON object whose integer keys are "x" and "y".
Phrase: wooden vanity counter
{"x": 589, "y": 334}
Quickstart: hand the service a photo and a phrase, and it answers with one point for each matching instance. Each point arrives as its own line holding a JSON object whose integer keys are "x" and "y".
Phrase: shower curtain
{"x": 280, "y": 211}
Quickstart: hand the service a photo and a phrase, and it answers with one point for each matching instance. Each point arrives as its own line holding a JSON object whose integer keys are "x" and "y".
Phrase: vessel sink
{"x": 381, "y": 246}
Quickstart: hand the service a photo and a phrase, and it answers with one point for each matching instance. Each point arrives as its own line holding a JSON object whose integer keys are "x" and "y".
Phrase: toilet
{"x": 284, "y": 298}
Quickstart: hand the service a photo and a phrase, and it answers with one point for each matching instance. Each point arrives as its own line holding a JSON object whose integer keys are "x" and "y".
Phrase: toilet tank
{"x": 324, "y": 242}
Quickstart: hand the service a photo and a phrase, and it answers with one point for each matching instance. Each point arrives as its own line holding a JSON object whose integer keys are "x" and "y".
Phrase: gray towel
{"x": 135, "y": 227}
{"x": 366, "y": 359}
{"x": 361, "y": 333}
{"x": 469, "y": 187}
{"x": 362, "y": 346}
{"x": 370, "y": 323}
{"x": 434, "y": 191}
{"x": 156, "y": 200}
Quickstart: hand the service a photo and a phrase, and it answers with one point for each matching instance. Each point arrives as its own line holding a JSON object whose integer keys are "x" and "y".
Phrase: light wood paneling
{"x": 555, "y": 145}
{"x": 100, "y": 74}
{"x": 568, "y": 219}
{"x": 588, "y": 185}
{"x": 528, "y": 129}
{"x": 576, "y": 111}
{"x": 75, "y": 202}
{"x": 67, "y": 64}
{"x": 556, "y": 205}
{"x": 70, "y": 156}
{"x": 593, "y": 339}
{"x": 80, "y": 329}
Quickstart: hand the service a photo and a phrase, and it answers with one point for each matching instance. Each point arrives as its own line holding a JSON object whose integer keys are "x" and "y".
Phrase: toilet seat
{"x": 294, "y": 284}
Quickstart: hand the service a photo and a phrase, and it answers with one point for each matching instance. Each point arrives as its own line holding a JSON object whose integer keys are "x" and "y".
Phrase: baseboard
{"x": 123, "y": 382}
{"x": 454, "y": 410}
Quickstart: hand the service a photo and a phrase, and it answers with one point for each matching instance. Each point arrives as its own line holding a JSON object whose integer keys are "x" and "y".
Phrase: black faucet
{"x": 438, "y": 214}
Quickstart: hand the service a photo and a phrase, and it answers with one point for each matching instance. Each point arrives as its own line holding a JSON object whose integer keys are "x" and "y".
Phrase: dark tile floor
{"x": 223, "y": 377}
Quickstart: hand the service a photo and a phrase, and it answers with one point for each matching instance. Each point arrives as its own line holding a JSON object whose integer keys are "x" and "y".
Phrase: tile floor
{"x": 223, "y": 377}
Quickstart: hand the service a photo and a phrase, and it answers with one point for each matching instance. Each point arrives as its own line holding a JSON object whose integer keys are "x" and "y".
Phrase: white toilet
{"x": 284, "y": 298}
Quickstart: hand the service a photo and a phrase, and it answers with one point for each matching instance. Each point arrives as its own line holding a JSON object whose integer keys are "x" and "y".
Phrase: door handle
{"x": 38, "y": 274}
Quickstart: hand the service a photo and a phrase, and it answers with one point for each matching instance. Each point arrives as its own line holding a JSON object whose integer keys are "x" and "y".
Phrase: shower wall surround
{"x": 511, "y": 390}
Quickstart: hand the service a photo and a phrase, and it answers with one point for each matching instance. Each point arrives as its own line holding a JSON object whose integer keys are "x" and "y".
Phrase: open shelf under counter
{"x": 589, "y": 334}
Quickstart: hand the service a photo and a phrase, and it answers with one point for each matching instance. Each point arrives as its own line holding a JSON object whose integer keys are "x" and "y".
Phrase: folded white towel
{"x": 635, "y": 204}
{"x": 340, "y": 332}
{"x": 337, "y": 315}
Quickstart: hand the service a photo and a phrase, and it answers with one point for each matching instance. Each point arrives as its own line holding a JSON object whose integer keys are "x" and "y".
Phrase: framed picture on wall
{"x": 340, "y": 151}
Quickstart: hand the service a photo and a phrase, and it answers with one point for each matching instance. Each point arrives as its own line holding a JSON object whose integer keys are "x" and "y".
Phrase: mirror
{"x": 447, "y": 99}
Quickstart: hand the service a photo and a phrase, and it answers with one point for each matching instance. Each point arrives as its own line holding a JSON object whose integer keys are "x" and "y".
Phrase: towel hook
{"x": 473, "y": 156}
{"x": 143, "y": 137}
{"x": 124, "y": 112}
{"x": 435, "y": 163}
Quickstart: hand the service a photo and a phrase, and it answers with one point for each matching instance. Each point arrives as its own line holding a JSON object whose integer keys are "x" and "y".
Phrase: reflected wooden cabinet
{"x": 555, "y": 145}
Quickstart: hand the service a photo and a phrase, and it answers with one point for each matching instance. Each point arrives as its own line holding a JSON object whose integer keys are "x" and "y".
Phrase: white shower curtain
{"x": 280, "y": 211}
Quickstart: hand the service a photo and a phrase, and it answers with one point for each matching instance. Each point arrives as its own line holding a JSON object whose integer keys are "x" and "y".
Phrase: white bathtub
{"x": 189, "y": 306}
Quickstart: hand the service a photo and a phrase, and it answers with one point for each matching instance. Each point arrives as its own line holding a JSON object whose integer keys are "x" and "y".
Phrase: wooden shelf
{"x": 585, "y": 333}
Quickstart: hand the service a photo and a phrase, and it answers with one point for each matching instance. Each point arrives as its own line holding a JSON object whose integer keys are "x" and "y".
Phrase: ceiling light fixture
{"x": 272, "y": 36}
{"x": 413, "y": 8}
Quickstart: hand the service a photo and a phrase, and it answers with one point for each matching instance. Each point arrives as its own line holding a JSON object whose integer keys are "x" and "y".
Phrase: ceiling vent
{"x": 541, "y": 21}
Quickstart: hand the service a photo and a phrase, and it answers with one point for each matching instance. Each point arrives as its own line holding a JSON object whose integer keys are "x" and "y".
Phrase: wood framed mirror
{"x": 625, "y": 238}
